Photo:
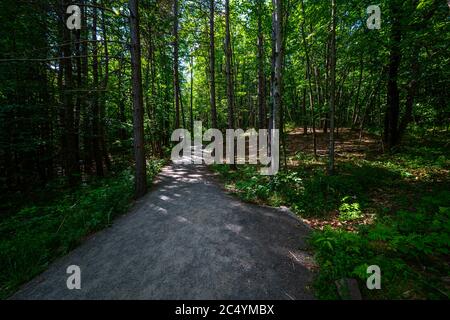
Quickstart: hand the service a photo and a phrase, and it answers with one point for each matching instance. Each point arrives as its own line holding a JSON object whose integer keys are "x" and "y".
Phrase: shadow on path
{"x": 187, "y": 239}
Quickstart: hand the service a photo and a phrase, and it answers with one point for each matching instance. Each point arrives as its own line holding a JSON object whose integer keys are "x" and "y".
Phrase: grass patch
{"x": 36, "y": 235}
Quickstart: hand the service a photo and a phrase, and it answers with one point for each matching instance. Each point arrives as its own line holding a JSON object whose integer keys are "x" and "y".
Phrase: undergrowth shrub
{"x": 411, "y": 248}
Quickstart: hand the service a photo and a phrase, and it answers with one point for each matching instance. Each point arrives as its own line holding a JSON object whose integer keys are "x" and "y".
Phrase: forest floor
{"x": 386, "y": 209}
{"x": 188, "y": 239}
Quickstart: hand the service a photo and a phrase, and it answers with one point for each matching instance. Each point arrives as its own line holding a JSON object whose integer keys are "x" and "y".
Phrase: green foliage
{"x": 309, "y": 192}
{"x": 348, "y": 210}
{"x": 410, "y": 236}
{"x": 410, "y": 248}
{"x": 36, "y": 235}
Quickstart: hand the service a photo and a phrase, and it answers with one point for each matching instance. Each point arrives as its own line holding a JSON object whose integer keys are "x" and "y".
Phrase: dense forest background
{"x": 69, "y": 98}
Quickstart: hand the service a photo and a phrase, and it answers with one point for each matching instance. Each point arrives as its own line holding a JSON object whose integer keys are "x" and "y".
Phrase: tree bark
{"x": 393, "y": 95}
{"x": 103, "y": 144}
{"x": 261, "y": 75}
{"x": 358, "y": 92}
{"x": 411, "y": 93}
{"x": 69, "y": 152}
{"x": 176, "y": 79}
{"x": 140, "y": 178}
{"x": 86, "y": 107}
{"x": 78, "y": 101}
{"x": 95, "y": 104}
{"x": 304, "y": 113}
{"x": 212, "y": 63}
{"x": 277, "y": 62}
{"x": 332, "y": 86}
{"x": 308, "y": 75}
{"x": 192, "y": 94}
{"x": 228, "y": 67}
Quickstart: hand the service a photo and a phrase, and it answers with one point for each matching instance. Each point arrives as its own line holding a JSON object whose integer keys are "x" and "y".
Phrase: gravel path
{"x": 187, "y": 239}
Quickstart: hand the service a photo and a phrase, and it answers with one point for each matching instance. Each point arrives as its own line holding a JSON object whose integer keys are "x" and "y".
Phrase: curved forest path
{"x": 187, "y": 239}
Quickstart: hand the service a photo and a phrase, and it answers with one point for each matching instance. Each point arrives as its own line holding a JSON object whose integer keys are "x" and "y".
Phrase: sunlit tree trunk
{"x": 192, "y": 94}
{"x": 277, "y": 62}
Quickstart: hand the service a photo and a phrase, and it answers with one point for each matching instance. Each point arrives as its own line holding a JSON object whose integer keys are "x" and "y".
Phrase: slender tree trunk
{"x": 70, "y": 153}
{"x": 332, "y": 86}
{"x": 192, "y": 94}
{"x": 95, "y": 103}
{"x": 212, "y": 63}
{"x": 261, "y": 75}
{"x": 121, "y": 103}
{"x": 277, "y": 62}
{"x": 79, "y": 97}
{"x": 411, "y": 93}
{"x": 393, "y": 95}
{"x": 183, "y": 119}
{"x": 86, "y": 107}
{"x": 228, "y": 67}
{"x": 155, "y": 137}
{"x": 358, "y": 91}
{"x": 176, "y": 80}
{"x": 304, "y": 113}
{"x": 308, "y": 71}
{"x": 140, "y": 178}
{"x": 229, "y": 73}
{"x": 103, "y": 144}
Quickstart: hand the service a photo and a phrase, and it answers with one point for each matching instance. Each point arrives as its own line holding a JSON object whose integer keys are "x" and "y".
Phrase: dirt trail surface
{"x": 187, "y": 239}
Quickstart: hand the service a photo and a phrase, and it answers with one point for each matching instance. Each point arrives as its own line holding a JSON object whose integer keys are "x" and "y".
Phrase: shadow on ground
{"x": 187, "y": 239}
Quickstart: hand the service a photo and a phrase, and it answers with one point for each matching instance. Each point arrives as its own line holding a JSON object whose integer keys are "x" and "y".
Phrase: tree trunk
{"x": 304, "y": 113}
{"x": 332, "y": 86}
{"x": 228, "y": 67}
{"x": 69, "y": 152}
{"x": 261, "y": 75}
{"x": 308, "y": 71}
{"x": 87, "y": 108}
{"x": 192, "y": 94}
{"x": 212, "y": 62}
{"x": 277, "y": 62}
{"x": 95, "y": 103}
{"x": 412, "y": 90}
{"x": 358, "y": 92}
{"x": 140, "y": 178}
{"x": 229, "y": 73}
{"x": 78, "y": 101}
{"x": 393, "y": 95}
{"x": 176, "y": 80}
{"x": 103, "y": 144}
